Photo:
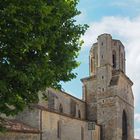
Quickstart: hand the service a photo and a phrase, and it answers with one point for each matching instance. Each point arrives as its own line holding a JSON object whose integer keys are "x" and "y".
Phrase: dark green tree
{"x": 39, "y": 43}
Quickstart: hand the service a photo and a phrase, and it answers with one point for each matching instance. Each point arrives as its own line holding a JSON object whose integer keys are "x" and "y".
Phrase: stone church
{"x": 106, "y": 111}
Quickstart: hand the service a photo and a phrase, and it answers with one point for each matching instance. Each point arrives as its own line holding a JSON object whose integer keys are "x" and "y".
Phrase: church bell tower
{"x": 108, "y": 91}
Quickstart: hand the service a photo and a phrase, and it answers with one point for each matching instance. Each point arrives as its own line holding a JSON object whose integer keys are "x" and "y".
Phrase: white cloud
{"x": 137, "y": 117}
{"x": 137, "y": 133}
{"x": 128, "y": 31}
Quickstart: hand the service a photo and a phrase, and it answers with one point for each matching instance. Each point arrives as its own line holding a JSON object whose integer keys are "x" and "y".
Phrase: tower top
{"x": 107, "y": 51}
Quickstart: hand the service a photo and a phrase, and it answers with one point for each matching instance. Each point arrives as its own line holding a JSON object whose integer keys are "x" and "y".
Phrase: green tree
{"x": 39, "y": 43}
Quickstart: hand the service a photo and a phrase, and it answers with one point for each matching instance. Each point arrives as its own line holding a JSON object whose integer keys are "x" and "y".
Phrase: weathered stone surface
{"x": 19, "y": 136}
{"x": 70, "y": 129}
{"x": 109, "y": 93}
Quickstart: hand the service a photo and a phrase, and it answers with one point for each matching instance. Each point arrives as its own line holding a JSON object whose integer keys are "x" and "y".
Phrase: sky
{"x": 121, "y": 19}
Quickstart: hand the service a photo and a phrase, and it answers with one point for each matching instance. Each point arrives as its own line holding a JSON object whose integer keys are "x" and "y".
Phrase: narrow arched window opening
{"x": 60, "y": 108}
{"x": 91, "y": 65}
{"x": 82, "y": 133}
{"x": 114, "y": 59}
{"x": 79, "y": 114}
{"x": 124, "y": 126}
{"x": 58, "y": 129}
{"x": 122, "y": 61}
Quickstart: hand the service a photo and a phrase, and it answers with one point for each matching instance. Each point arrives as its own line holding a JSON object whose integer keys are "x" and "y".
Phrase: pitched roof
{"x": 16, "y": 126}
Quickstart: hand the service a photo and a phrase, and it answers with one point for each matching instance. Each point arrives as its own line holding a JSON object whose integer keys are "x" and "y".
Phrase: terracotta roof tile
{"x": 14, "y": 125}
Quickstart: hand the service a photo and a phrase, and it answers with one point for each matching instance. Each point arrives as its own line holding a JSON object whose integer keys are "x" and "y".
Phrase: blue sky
{"x": 121, "y": 19}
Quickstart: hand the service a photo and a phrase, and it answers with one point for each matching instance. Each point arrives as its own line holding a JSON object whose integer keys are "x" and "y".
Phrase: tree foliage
{"x": 39, "y": 42}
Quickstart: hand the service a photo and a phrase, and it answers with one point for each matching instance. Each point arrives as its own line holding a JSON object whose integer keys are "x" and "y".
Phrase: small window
{"x": 124, "y": 126}
{"x": 60, "y": 108}
{"x": 82, "y": 133}
{"x": 102, "y": 43}
{"x": 91, "y": 65}
{"x": 114, "y": 59}
{"x": 73, "y": 108}
{"x": 122, "y": 61}
{"x": 58, "y": 130}
{"x": 103, "y": 89}
{"x": 102, "y": 56}
{"x": 102, "y": 77}
{"x": 79, "y": 114}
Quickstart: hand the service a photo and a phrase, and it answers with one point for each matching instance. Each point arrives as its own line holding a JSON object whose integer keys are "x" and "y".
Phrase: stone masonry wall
{"x": 66, "y": 102}
{"x": 19, "y": 136}
{"x": 30, "y": 117}
{"x": 56, "y": 127}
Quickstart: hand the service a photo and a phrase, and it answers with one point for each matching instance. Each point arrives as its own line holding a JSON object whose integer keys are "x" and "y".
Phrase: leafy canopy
{"x": 39, "y": 42}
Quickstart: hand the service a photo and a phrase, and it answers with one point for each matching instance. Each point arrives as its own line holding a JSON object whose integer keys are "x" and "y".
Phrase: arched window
{"x": 114, "y": 59}
{"x": 82, "y": 133}
{"x": 60, "y": 108}
{"x": 73, "y": 108}
{"x": 122, "y": 61}
{"x": 91, "y": 65}
{"x": 58, "y": 129}
{"x": 124, "y": 126}
{"x": 79, "y": 114}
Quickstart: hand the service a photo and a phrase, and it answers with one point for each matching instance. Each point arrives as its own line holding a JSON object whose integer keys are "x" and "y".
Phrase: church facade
{"x": 106, "y": 111}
